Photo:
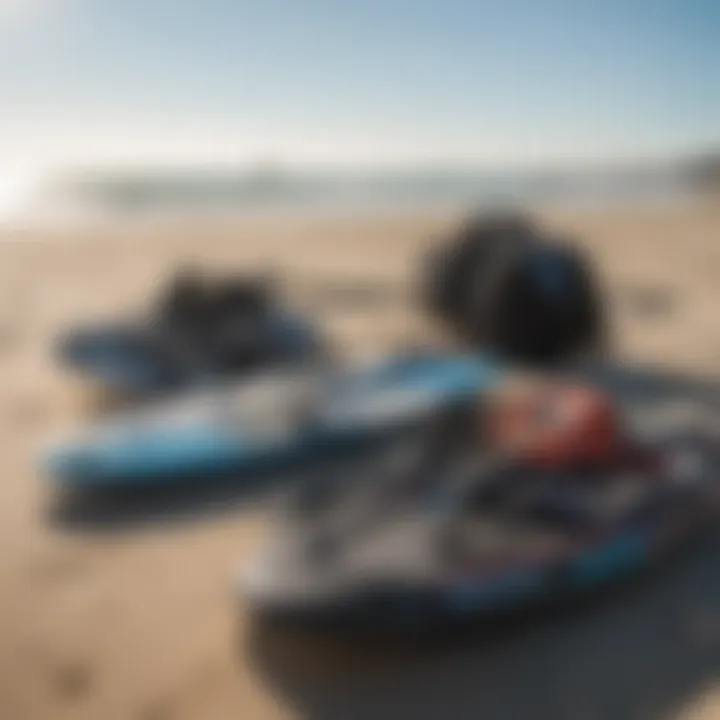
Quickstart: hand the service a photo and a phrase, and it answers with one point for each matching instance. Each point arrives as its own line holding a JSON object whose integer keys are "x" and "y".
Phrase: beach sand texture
{"x": 134, "y": 620}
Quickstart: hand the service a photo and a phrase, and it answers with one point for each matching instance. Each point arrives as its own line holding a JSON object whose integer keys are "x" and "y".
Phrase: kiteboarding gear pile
{"x": 430, "y": 533}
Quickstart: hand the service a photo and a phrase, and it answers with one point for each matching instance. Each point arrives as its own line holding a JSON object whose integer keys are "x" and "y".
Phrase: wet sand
{"x": 131, "y": 615}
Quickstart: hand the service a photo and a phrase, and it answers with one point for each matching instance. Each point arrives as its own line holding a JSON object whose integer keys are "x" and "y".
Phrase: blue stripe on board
{"x": 624, "y": 553}
{"x": 153, "y": 453}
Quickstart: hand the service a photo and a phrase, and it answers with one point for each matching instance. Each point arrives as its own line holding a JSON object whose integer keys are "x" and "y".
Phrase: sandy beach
{"x": 136, "y": 620}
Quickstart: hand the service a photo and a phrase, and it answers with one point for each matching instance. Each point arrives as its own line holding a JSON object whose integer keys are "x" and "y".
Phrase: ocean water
{"x": 108, "y": 194}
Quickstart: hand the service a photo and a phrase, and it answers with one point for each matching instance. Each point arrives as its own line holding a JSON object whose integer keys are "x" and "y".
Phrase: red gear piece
{"x": 557, "y": 427}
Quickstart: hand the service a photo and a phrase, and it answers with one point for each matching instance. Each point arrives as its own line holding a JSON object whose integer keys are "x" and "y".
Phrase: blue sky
{"x": 355, "y": 82}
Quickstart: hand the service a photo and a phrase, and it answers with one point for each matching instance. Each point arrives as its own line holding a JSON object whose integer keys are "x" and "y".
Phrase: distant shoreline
{"x": 148, "y": 196}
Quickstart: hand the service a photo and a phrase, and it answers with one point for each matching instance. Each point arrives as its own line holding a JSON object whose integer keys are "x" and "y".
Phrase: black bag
{"x": 243, "y": 308}
{"x": 223, "y": 323}
{"x": 505, "y": 288}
